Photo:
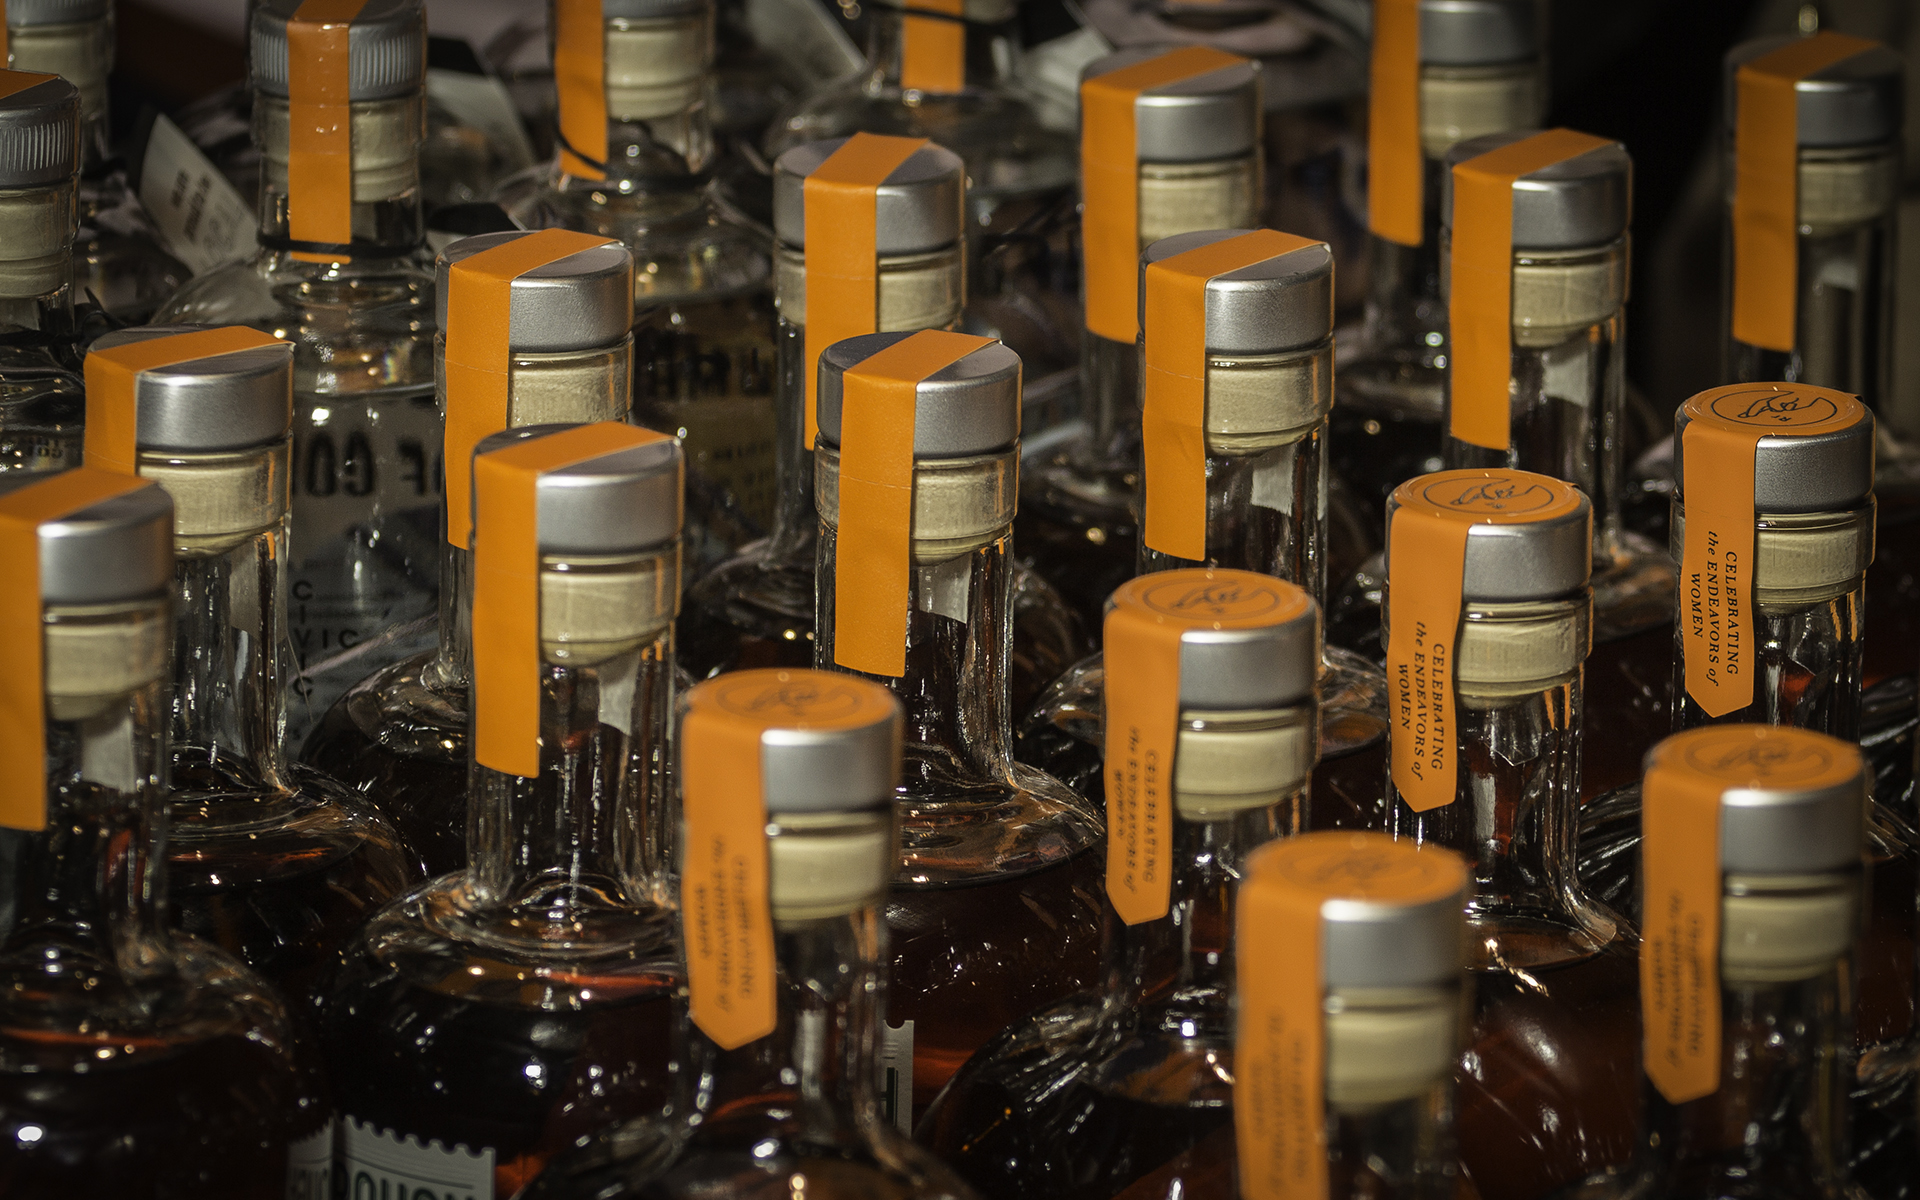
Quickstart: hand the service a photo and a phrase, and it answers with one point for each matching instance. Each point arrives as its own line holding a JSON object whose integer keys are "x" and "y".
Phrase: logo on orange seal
{"x": 1753, "y": 757}
{"x": 794, "y": 697}
{"x": 1504, "y": 494}
{"x": 1773, "y": 406}
{"x": 1238, "y": 597}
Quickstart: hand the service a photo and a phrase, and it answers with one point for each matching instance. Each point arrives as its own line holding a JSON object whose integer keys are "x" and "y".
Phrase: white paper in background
{"x": 310, "y": 1166}
{"x": 379, "y": 1163}
{"x": 896, "y": 1074}
{"x": 482, "y": 102}
{"x": 805, "y": 36}
{"x": 1051, "y": 71}
{"x": 201, "y": 217}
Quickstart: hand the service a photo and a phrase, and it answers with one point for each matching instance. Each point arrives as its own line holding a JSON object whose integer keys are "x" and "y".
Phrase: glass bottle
{"x": 486, "y": 1020}
{"x": 635, "y": 163}
{"x": 134, "y": 1060}
{"x": 1443, "y": 72}
{"x": 786, "y": 1080}
{"x": 274, "y": 862}
{"x": 1194, "y": 164}
{"x": 1755, "y": 1109}
{"x": 1488, "y": 629}
{"x": 342, "y": 274}
{"x": 118, "y": 259}
{"x": 42, "y": 401}
{"x": 996, "y": 907}
{"x": 401, "y": 735}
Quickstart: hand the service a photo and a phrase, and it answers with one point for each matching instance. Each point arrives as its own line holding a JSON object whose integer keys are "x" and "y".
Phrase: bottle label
{"x": 382, "y": 1165}
{"x": 202, "y": 218}
{"x": 896, "y": 1074}
{"x": 310, "y": 1166}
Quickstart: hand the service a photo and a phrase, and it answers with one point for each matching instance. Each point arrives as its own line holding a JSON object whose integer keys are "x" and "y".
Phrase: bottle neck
{"x": 1111, "y": 397}
{"x": 36, "y": 282}
{"x": 930, "y": 58}
{"x": 386, "y": 210}
{"x": 796, "y": 520}
{"x": 659, "y": 129}
{"x": 451, "y": 668}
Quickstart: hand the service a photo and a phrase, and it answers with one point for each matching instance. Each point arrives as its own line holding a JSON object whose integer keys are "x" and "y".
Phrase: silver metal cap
{"x": 1392, "y": 914}
{"x": 118, "y": 549}
{"x": 617, "y": 503}
{"x": 1793, "y": 801}
{"x": 970, "y": 407}
{"x": 919, "y": 208}
{"x": 829, "y": 742}
{"x": 23, "y": 14}
{"x": 1281, "y": 303}
{"x": 222, "y": 402}
{"x": 39, "y": 134}
{"x": 1480, "y": 33}
{"x": 1827, "y": 470}
{"x": 1546, "y": 552}
{"x": 1225, "y": 662}
{"x": 386, "y": 48}
{"x": 1584, "y": 201}
{"x": 1208, "y": 117}
{"x": 573, "y": 303}
{"x": 1855, "y": 102}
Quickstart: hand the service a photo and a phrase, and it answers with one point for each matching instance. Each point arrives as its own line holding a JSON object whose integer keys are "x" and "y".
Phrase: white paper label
{"x": 381, "y": 1165}
{"x": 106, "y": 752}
{"x": 310, "y": 1167}
{"x": 482, "y": 102}
{"x": 202, "y": 219}
{"x": 1273, "y": 479}
{"x": 945, "y": 588}
{"x": 896, "y": 1074}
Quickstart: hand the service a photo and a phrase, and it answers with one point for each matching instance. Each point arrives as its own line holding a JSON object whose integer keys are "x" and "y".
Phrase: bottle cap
{"x": 1792, "y": 801}
{"x": 22, "y": 14}
{"x": 1529, "y": 537}
{"x": 1582, "y": 201}
{"x": 39, "y": 130}
{"x": 1479, "y": 33}
{"x": 1247, "y": 641}
{"x": 1854, "y": 102}
{"x": 573, "y": 303}
{"x": 111, "y": 551}
{"x": 917, "y": 209}
{"x": 1278, "y": 304}
{"x": 386, "y": 48}
{"x": 969, "y": 407}
{"x": 225, "y": 401}
{"x": 621, "y": 502}
{"x": 1828, "y": 470}
{"x": 1199, "y": 119}
{"x": 651, "y": 10}
{"x": 829, "y": 741}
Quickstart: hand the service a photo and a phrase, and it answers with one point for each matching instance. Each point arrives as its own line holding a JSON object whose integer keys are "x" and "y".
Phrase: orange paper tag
{"x": 1724, "y": 428}
{"x": 580, "y": 85}
{"x": 841, "y": 201}
{"x": 1142, "y": 697}
{"x": 478, "y": 357}
{"x": 112, "y": 378}
{"x": 873, "y": 560}
{"x": 1427, "y": 554}
{"x": 1280, "y": 1038}
{"x": 1480, "y": 291}
{"x": 1396, "y": 165}
{"x": 319, "y": 126}
{"x": 506, "y": 585}
{"x": 1766, "y": 188}
{"x": 725, "y": 896}
{"x": 23, "y": 712}
{"x": 1110, "y": 182}
{"x": 933, "y": 57}
{"x": 1174, "y": 418}
{"x": 1681, "y": 881}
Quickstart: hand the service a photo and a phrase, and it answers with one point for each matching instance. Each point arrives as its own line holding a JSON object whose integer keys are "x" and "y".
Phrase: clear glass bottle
{"x": 1196, "y": 165}
{"x": 996, "y": 907}
{"x": 635, "y": 163}
{"x": 1548, "y": 1090}
{"x": 1127, "y": 1085}
{"x": 353, "y": 292}
{"x": 484, "y": 1021}
{"x": 134, "y": 1060}
{"x": 798, "y": 1106}
{"x": 1757, "y": 1110}
{"x": 42, "y": 401}
{"x": 1448, "y": 73}
{"x": 401, "y": 735}
{"x": 118, "y": 259}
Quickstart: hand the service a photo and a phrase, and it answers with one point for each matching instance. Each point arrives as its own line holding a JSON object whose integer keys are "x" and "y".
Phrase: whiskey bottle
{"x": 134, "y": 1060}
{"x": 1169, "y": 143}
{"x": 1753, "y": 864}
{"x": 1488, "y": 613}
{"x": 274, "y": 862}
{"x": 1443, "y": 72}
{"x": 533, "y": 330}
{"x": 786, "y": 783}
{"x": 338, "y": 116}
{"x": 1210, "y": 740}
{"x": 42, "y": 401}
{"x": 635, "y": 162}
{"x": 996, "y": 907}
{"x": 489, "y": 1018}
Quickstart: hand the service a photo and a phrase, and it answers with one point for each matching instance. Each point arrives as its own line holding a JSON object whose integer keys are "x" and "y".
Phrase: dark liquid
{"x": 423, "y": 795}
{"x": 1350, "y": 791}
{"x": 526, "y": 1081}
{"x": 1628, "y": 707}
{"x": 1082, "y": 551}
